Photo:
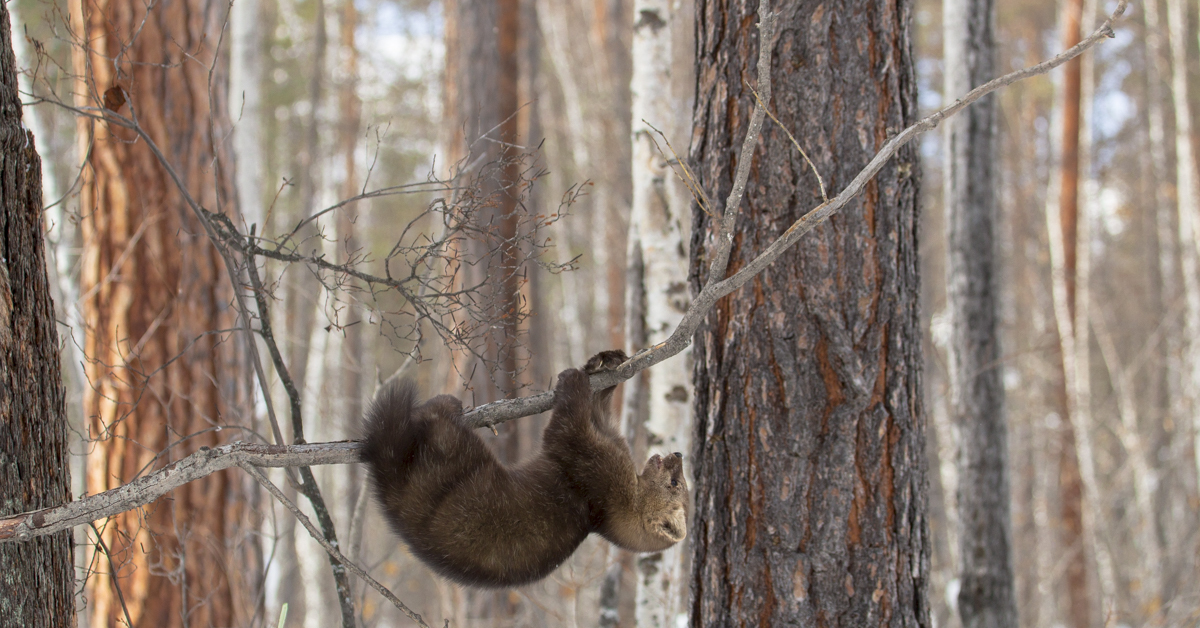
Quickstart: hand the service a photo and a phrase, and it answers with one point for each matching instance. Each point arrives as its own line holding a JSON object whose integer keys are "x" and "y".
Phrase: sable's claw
{"x": 605, "y": 361}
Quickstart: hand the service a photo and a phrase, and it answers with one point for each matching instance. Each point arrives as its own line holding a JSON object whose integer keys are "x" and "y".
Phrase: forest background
{"x": 364, "y": 113}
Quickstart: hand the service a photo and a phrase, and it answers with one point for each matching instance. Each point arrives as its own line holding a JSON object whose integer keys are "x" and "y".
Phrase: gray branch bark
{"x": 148, "y": 488}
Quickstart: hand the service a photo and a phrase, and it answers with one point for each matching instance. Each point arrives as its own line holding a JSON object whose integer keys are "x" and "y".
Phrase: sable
{"x": 479, "y": 522}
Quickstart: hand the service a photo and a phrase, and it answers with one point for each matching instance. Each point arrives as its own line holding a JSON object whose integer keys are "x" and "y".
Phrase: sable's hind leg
{"x": 602, "y": 400}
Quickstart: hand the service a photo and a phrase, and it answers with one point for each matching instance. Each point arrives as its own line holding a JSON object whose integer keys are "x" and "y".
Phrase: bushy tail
{"x": 387, "y": 430}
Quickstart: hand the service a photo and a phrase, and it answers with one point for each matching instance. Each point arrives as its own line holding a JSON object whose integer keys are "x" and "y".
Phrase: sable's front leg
{"x": 602, "y": 400}
{"x": 572, "y": 404}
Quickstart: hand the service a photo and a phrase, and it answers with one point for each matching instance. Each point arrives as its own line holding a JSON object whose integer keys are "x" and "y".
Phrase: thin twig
{"x": 333, "y": 552}
{"x": 820, "y": 180}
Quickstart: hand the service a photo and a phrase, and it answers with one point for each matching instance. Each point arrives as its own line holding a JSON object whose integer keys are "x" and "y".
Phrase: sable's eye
{"x": 674, "y": 483}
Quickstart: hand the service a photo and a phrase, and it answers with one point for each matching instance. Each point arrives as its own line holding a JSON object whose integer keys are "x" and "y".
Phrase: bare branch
{"x": 316, "y": 534}
{"x": 146, "y": 489}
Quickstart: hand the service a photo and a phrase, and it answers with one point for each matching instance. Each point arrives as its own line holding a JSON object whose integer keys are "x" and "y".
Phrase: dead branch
{"x": 333, "y": 552}
{"x": 148, "y": 488}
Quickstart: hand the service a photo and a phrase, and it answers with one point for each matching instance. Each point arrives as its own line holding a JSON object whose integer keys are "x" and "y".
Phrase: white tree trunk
{"x": 1188, "y": 193}
{"x": 245, "y": 107}
{"x": 658, "y": 229}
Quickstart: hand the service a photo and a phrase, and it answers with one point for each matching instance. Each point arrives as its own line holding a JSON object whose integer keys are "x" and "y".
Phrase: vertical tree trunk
{"x": 38, "y": 577}
{"x": 1061, "y": 217}
{"x": 809, "y": 447}
{"x": 482, "y": 87}
{"x": 245, "y": 107}
{"x": 154, "y": 290}
{"x": 986, "y": 598}
{"x": 657, "y": 227}
{"x": 1169, "y": 401}
{"x": 1188, "y": 192}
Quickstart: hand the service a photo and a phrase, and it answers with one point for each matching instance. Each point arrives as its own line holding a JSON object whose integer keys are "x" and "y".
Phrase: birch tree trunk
{"x": 1173, "y": 408}
{"x": 245, "y": 107}
{"x": 986, "y": 598}
{"x": 657, "y": 225}
{"x": 154, "y": 291}
{"x": 809, "y": 451}
{"x": 1188, "y": 192}
{"x": 38, "y": 577}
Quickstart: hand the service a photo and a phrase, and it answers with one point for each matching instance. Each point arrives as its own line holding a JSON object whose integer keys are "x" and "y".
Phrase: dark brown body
{"x": 478, "y": 522}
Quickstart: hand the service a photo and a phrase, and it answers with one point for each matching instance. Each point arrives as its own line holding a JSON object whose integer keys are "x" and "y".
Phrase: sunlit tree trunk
{"x": 986, "y": 598}
{"x": 809, "y": 447}
{"x": 154, "y": 290}
{"x": 37, "y": 575}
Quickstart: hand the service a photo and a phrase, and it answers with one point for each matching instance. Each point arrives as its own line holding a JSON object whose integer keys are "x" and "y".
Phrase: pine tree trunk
{"x": 986, "y": 598}
{"x": 809, "y": 447}
{"x": 38, "y": 577}
{"x": 154, "y": 289}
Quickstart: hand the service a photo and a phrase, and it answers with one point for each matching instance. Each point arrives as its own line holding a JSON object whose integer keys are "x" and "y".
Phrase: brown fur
{"x": 478, "y": 522}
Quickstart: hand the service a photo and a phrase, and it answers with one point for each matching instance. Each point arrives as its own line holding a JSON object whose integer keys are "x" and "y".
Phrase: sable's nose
{"x": 678, "y": 455}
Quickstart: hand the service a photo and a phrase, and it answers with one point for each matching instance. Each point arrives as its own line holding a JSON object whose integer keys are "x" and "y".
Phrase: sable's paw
{"x": 605, "y": 361}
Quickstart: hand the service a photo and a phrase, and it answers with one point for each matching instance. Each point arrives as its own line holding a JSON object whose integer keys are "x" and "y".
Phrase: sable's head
{"x": 664, "y": 501}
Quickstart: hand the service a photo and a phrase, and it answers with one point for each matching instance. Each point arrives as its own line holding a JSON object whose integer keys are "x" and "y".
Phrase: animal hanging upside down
{"x": 479, "y": 522}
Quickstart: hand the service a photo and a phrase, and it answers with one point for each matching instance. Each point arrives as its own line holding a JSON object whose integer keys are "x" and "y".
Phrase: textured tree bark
{"x": 154, "y": 291}
{"x": 38, "y": 577}
{"x": 986, "y": 598}
{"x": 809, "y": 447}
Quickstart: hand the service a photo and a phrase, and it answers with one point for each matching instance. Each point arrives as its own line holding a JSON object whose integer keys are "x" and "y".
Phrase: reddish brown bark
{"x": 809, "y": 448}
{"x": 162, "y": 378}
{"x": 1079, "y": 598}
